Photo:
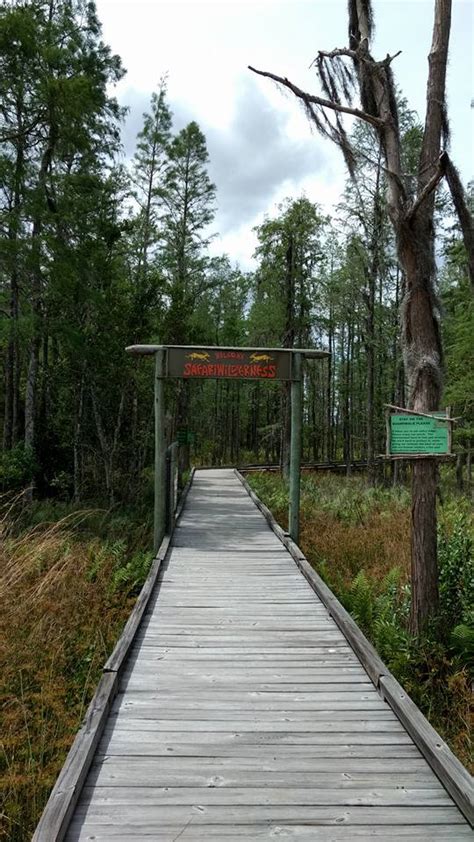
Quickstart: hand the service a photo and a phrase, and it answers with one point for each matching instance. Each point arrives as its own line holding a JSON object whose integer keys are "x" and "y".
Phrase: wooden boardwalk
{"x": 243, "y": 713}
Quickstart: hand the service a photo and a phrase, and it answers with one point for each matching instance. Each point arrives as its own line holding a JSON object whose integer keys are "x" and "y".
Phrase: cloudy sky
{"x": 260, "y": 144}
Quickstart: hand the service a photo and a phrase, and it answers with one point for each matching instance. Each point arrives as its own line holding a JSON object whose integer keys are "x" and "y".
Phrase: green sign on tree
{"x": 419, "y": 434}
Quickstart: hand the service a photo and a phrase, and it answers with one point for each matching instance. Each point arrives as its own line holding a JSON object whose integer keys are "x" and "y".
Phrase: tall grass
{"x": 65, "y": 595}
{"x": 358, "y": 539}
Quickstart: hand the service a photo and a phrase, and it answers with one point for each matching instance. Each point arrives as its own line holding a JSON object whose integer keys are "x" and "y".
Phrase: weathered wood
{"x": 118, "y": 797}
{"x": 268, "y": 831}
{"x": 116, "y": 660}
{"x": 124, "y": 744}
{"x": 140, "y": 816}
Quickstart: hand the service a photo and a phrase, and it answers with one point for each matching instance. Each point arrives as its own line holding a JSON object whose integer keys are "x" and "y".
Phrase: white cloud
{"x": 260, "y": 144}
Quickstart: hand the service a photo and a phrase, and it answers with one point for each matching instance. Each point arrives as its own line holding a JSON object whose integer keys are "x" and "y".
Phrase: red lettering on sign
{"x": 255, "y": 370}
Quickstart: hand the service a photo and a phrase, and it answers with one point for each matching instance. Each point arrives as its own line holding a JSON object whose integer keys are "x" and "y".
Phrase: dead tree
{"x": 348, "y": 75}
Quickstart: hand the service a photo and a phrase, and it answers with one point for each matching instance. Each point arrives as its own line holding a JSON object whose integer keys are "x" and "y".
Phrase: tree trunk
{"x": 372, "y": 272}
{"x": 347, "y": 421}
{"x": 329, "y": 393}
{"x": 421, "y": 333}
{"x": 422, "y": 351}
{"x": 12, "y": 377}
{"x": 424, "y": 566}
{"x": 30, "y": 394}
{"x": 108, "y": 448}
{"x": 288, "y": 342}
{"x": 77, "y": 442}
{"x": 460, "y": 459}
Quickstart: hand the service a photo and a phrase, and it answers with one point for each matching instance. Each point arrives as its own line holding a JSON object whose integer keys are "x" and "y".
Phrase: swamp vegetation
{"x": 357, "y": 537}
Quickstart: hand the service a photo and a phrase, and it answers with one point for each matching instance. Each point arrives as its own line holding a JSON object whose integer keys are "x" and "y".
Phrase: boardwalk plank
{"x": 301, "y": 833}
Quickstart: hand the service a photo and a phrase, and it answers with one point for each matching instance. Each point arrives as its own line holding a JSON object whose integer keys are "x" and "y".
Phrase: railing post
{"x": 171, "y": 485}
{"x": 159, "y": 525}
{"x": 295, "y": 446}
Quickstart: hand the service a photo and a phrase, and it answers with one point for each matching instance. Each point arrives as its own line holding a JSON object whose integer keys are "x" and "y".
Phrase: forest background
{"x": 98, "y": 253}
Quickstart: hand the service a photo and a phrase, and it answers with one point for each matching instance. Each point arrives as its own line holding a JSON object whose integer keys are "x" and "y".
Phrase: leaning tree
{"x": 354, "y": 83}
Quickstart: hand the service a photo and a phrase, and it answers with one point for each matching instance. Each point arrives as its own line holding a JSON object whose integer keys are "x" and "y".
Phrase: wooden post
{"x": 295, "y": 447}
{"x": 159, "y": 524}
{"x": 171, "y": 458}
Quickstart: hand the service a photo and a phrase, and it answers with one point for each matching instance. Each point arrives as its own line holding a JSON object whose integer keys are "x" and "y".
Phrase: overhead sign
{"x": 236, "y": 363}
{"x": 419, "y": 434}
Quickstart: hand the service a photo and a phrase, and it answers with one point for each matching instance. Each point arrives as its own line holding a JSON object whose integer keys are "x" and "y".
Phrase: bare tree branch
{"x": 344, "y": 51}
{"x": 339, "y": 51}
{"x": 316, "y": 100}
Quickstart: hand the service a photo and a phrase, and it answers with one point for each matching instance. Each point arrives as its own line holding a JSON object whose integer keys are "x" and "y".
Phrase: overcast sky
{"x": 260, "y": 144}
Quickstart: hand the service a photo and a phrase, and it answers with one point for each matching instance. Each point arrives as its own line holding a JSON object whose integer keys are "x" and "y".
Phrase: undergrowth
{"x": 68, "y": 580}
{"x": 357, "y": 538}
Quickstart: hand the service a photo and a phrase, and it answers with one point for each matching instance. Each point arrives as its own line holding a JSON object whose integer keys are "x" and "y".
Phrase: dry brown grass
{"x": 58, "y": 624}
{"x": 379, "y": 544}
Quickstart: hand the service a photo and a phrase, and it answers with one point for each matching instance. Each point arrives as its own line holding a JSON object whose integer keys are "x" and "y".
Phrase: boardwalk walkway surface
{"x": 244, "y": 714}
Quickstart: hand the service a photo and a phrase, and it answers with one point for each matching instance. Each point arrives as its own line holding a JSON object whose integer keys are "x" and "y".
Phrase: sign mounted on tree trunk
{"x": 412, "y": 434}
{"x": 236, "y": 363}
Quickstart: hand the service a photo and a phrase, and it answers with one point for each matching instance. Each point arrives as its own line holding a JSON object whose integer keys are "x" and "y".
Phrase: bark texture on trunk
{"x": 424, "y": 567}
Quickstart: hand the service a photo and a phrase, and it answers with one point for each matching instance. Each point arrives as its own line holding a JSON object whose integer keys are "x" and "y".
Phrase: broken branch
{"x": 317, "y": 100}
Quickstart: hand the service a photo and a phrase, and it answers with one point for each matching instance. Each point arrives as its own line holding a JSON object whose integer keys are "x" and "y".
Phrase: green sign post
{"x": 412, "y": 434}
{"x": 206, "y": 363}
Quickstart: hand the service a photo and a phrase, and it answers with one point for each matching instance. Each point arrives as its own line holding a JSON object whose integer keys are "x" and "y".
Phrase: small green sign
{"x": 185, "y": 436}
{"x": 418, "y": 434}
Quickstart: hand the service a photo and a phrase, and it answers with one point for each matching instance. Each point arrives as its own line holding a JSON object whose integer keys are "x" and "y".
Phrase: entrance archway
{"x": 211, "y": 362}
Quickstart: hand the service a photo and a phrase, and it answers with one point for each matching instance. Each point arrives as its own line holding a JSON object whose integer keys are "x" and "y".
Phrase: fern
{"x": 361, "y": 601}
{"x": 131, "y": 576}
{"x": 462, "y": 642}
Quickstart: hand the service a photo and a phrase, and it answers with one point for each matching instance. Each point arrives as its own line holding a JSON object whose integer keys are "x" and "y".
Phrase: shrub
{"x": 17, "y": 467}
{"x": 456, "y": 571}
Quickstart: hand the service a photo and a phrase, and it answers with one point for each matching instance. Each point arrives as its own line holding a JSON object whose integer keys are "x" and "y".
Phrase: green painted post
{"x": 295, "y": 446}
{"x": 160, "y": 452}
